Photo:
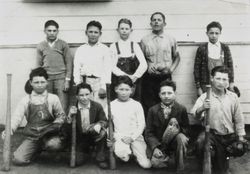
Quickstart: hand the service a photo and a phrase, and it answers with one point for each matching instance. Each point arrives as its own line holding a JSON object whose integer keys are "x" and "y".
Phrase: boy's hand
{"x": 97, "y": 128}
{"x": 206, "y": 105}
{"x": 199, "y": 91}
{"x": 3, "y": 135}
{"x": 110, "y": 143}
{"x": 157, "y": 153}
{"x": 72, "y": 110}
{"x": 66, "y": 85}
{"x": 153, "y": 70}
{"x": 127, "y": 140}
{"x": 102, "y": 93}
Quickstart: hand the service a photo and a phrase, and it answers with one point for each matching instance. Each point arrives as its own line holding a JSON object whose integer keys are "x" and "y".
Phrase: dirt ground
{"x": 58, "y": 163}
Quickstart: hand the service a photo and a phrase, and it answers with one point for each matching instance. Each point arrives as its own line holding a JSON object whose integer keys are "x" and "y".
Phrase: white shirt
{"x": 84, "y": 116}
{"x": 128, "y": 118}
{"x": 125, "y": 49}
{"x": 214, "y": 50}
{"x": 93, "y": 60}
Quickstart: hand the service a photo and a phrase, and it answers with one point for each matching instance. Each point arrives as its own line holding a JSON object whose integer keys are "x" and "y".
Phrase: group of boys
{"x": 150, "y": 138}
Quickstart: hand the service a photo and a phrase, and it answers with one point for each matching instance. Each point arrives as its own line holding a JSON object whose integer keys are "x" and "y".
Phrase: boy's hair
{"x": 221, "y": 69}
{"x": 83, "y": 86}
{"x": 159, "y": 13}
{"x": 125, "y": 21}
{"x": 168, "y": 83}
{"x": 214, "y": 24}
{"x": 51, "y": 22}
{"x": 124, "y": 79}
{"x": 94, "y": 23}
{"x": 38, "y": 72}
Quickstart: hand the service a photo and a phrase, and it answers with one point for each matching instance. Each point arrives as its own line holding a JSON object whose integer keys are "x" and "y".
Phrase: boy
{"x": 128, "y": 58}
{"x": 129, "y": 123}
{"x": 44, "y": 115}
{"x": 161, "y": 117}
{"x": 92, "y": 63}
{"x": 162, "y": 56}
{"x": 211, "y": 54}
{"x": 226, "y": 120}
{"x": 54, "y": 55}
{"x": 91, "y": 124}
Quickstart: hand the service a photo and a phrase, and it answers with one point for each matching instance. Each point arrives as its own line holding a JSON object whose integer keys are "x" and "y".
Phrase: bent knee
{"x": 53, "y": 144}
{"x": 20, "y": 160}
{"x": 146, "y": 164}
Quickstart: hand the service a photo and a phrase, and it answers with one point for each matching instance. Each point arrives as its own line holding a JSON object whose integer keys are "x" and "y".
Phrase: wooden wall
{"x": 21, "y": 27}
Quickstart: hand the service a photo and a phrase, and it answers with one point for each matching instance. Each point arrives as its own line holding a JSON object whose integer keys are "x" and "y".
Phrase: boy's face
{"x": 124, "y": 31}
{"x": 93, "y": 33}
{"x": 39, "y": 84}
{"x": 213, "y": 35}
{"x": 123, "y": 92}
{"x": 220, "y": 81}
{"x": 51, "y": 33}
{"x": 157, "y": 23}
{"x": 84, "y": 96}
{"x": 167, "y": 95}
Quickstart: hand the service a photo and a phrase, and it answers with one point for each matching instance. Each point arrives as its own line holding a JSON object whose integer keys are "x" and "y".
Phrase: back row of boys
{"x": 93, "y": 64}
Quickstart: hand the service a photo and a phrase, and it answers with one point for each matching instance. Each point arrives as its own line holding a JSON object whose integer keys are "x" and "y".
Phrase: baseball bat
{"x": 7, "y": 140}
{"x": 207, "y": 154}
{"x": 112, "y": 161}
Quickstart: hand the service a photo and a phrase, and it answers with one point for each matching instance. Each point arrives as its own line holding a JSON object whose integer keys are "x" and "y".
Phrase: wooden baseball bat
{"x": 207, "y": 155}
{"x": 7, "y": 140}
{"x": 112, "y": 161}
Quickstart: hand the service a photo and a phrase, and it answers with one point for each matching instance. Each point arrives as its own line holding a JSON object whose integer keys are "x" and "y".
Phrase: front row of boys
{"x": 45, "y": 117}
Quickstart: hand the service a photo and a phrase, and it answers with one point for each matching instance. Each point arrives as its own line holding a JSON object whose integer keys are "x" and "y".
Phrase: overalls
{"x": 128, "y": 65}
{"x": 38, "y": 119}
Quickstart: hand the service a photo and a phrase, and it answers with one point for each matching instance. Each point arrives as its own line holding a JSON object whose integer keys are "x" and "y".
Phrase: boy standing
{"x": 209, "y": 55}
{"x": 92, "y": 63}
{"x": 91, "y": 124}
{"x": 44, "y": 115}
{"x": 55, "y": 57}
{"x": 162, "y": 56}
{"x": 167, "y": 113}
{"x": 129, "y": 123}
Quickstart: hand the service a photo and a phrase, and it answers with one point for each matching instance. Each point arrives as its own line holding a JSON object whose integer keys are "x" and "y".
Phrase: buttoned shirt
{"x": 54, "y": 107}
{"x": 84, "y": 110}
{"x": 159, "y": 50}
{"x": 128, "y": 118}
{"x": 93, "y": 61}
{"x": 214, "y": 50}
{"x": 225, "y": 113}
{"x": 125, "y": 49}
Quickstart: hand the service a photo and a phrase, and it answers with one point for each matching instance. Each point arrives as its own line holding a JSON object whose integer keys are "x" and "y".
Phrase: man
{"x": 92, "y": 63}
{"x": 162, "y": 56}
{"x": 160, "y": 118}
{"x": 54, "y": 55}
{"x": 211, "y": 54}
{"x": 226, "y": 119}
{"x": 44, "y": 115}
{"x": 91, "y": 124}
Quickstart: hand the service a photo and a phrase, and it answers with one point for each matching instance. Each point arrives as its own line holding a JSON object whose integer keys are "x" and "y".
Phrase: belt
{"x": 91, "y": 76}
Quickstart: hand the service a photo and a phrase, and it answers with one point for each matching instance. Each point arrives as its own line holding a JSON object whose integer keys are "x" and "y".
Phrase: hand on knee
{"x": 53, "y": 144}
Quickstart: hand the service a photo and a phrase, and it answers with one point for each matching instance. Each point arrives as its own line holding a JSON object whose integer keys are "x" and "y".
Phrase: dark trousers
{"x": 218, "y": 143}
{"x": 150, "y": 89}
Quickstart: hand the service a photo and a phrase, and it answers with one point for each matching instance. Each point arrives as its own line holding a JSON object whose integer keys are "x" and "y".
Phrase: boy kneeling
{"x": 44, "y": 115}
{"x": 91, "y": 124}
{"x": 129, "y": 124}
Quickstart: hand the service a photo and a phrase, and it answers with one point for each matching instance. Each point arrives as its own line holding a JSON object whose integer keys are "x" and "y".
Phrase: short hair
{"x": 125, "y": 21}
{"x": 51, "y": 22}
{"x": 214, "y": 24}
{"x": 221, "y": 69}
{"x": 159, "y": 13}
{"x": 94, "y": 23}
{"x": 83, "y": 86}
{"x": 124, "y": 79}
{"x": 168, "y": 83}
{"x": 38, "y": 72}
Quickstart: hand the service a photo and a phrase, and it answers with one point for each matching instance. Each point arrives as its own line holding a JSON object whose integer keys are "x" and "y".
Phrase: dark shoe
{"x": 103, "y": 165}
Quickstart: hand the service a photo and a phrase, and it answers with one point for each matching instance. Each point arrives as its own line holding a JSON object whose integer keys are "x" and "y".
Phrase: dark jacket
{"x": 96, "y": 115}
{"x": 201, "y": 72}
{"x": 156, "y": 124}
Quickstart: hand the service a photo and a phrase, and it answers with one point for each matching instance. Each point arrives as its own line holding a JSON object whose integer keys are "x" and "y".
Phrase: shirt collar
{"x": 80, "y": 106}
{"x": 97, "y": 44}
{"x": 156, "y": 35}
{"x": 44, "y": 94}
{"x": 215, "y": 44}
{"x": 52, "y": 43}
{"x": 163, "y": 106}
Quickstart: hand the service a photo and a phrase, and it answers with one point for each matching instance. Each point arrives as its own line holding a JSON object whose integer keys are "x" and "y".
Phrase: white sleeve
{"x": 140, "y": 121}
{"x": 143, "y": 64}
{"x": 77, "y": 66}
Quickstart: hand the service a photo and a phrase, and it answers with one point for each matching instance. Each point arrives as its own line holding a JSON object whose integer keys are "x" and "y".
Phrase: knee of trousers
{"x": 179, "y": 141}
{"x": 122, "y": 154}
{"x": 145, "y": 163}
{"x": 20, "y": 160}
